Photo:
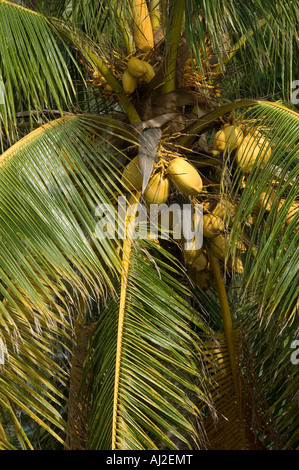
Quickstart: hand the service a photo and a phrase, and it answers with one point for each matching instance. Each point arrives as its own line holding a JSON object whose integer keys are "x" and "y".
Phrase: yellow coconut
{"x": 219, "y": 246}
{"x": 263, "y": 143}
{"x": 129, "y": 82}
{"x": 149, "y": 74}
{"x": 265, "y": 201}
{"x": 184, "y": 177}
{"x": 211, "y": 225}
{"x": 228, "y": 138}
{"x": 253, "y": 216}
{"x": 136, "y": 67}
{"x": 132, "y": 176}
{"x": 293, "y": 210}
{"x": 157, "y": 190}
{"x": 201, "y": 262}
{"x": 191, "y": 252}
{"x": 250, "y": 151}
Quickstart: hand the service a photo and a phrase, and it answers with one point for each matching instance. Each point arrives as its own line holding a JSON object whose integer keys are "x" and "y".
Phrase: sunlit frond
{"x": 47, "y": 181}
{"x": 160, "y": 379}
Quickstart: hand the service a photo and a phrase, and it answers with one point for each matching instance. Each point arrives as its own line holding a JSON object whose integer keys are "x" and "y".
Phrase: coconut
{"x": 184, "y": 177}
{"x": 149, "y": 74}
{"x": 129, "y": 82}
{"x": 137, "y": 67}
{"x": 253, "y": 216}
{"x": 250, "y": 151}
{"x": 219, "y": 246}
{"x": 265, "y": 201}
{"x": 293, "y": 210}
{"x": 132, "y": 175}
{"x": 264, "y": 143}
{"x": 228, "y": 138}
{"x": 192, "y": 252}
{"x": 157, "y": 190}
{"x": 225, "y": 209}
{"x": 201, "y": 262}
{"x": 212, "y": 225}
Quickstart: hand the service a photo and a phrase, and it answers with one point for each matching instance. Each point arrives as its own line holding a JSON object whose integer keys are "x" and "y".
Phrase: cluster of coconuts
{"x": 266, "y": 201}
{"x": 216, "y": 243}
{"x": 249, "y": 149}
{"x": 179, "y": 173}
{"x": 137, "y": 71}
{"x": 183, "y": 176}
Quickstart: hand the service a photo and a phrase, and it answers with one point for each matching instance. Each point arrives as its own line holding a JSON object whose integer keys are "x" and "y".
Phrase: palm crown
{"x": 139, "y": 343}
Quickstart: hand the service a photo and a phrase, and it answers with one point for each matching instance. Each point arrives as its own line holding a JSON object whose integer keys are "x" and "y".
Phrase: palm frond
{"x": 145, "y": 376}
{"x": 33, "y": 65}
{"x": 225, "y": 23}
{"x": 273, "y": 242}
{"x": 50, "y": 258}
{"x": 240, "y": 423}
{"x": 266, "y": 294}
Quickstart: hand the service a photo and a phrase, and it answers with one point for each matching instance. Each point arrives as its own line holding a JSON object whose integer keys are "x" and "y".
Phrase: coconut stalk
{"x": 93, "y": 58}
{"x": 229, "y": 336}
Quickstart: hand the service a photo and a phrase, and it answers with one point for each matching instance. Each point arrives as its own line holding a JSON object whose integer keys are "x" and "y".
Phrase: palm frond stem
{"x": 228, "y": 57}
{"x": 173, "y": 39}
{"x": 155, "y": 13}
{"x": 124, "y": 29}
{"x": 127, "y": 247}
{"x": 229, "y": 336}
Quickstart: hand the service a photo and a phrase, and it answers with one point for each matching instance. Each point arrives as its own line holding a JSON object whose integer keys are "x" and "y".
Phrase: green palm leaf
{"x": 276, "y": 243}
{"x": 46, "y": 182}
{"x": 33, "y": 65}
{"x": 266, "y": 295}
{"x": 145, "y": 381}
{"x": 263, "y": 35}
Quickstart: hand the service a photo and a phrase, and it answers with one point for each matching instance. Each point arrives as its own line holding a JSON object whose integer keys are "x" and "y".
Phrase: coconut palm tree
{"x": 117, "y": 341}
